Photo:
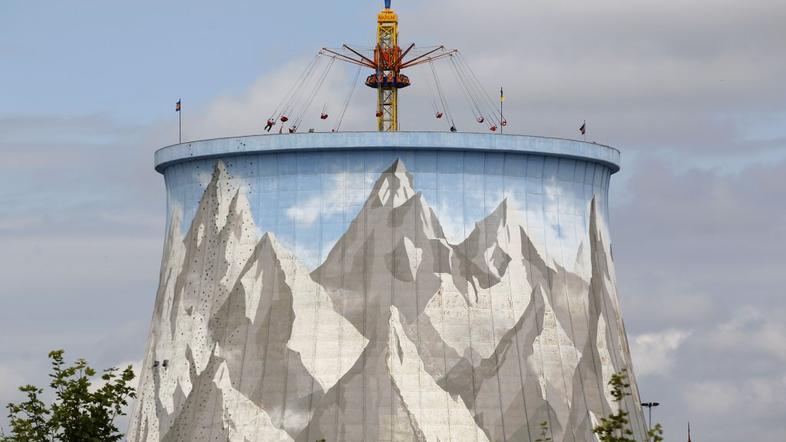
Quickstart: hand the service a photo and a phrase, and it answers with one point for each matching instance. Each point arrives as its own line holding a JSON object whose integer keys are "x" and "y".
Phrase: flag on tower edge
{"x": 177, "y": 106}
{"x": 583, "y": 128}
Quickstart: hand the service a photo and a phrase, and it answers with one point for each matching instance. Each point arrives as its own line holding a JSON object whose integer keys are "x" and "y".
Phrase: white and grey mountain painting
{"x": 398, "y": 335}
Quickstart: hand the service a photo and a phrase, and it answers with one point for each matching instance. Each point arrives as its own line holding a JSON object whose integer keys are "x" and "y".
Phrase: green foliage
{"x": 544, "y": 433}
{"x": 655, "y": 434}
{"x": 81, "y": 412}
{"x": 615, "y": 428}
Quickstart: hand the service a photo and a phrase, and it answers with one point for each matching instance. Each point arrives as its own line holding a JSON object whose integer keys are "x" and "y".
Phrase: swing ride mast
{"x": 389, "y": 61}
{"x": 388, "y": 78}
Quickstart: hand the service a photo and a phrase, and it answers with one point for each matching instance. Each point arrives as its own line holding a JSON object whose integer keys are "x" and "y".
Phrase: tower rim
{"x": 386, "y": 141}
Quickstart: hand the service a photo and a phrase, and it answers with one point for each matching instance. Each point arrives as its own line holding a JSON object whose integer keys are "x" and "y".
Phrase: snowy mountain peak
{"x": 220, "y": 170}
{"x": 278, "y": 284}
{"x": 218, "y": 196}
{"x": 397, "y": 326}
{"x": 397, "y": 167}
{"x": 269, "y": 245}
{"x": 494, "y": 237}
{"x": 219, "y": 180}
{"x": 392, "y": 211}
{"x": 504, "y": 215}
{"x": 393, "y": 188}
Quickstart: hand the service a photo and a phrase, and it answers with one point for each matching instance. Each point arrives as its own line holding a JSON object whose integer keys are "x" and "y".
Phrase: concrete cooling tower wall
{"x": 384, "y": 287}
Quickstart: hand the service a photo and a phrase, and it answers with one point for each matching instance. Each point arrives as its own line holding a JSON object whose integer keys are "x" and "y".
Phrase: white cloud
{"x": 452, "y": 219}
{"x": 681, "y": 73}
{"x": 335, "y": 199}
{"x": 452, "y": 222}
{"x": 711, "y": 397}
{"x": 752, "y": 329}
{"x": 764, "y": 397}
{"x": 246, "y": 113}
{"x": 655, "y": 353}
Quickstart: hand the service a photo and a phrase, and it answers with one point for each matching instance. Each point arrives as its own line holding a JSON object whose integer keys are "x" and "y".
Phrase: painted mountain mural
{"x": 398, "y": 335}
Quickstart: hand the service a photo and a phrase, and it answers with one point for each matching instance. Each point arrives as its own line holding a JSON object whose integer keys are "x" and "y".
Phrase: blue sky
{"x": 132, "y": 59}
{"x": 692, "y": 93}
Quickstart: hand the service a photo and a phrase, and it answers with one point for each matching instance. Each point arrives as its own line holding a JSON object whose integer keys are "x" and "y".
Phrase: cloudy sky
{"x": 691, "y": 92}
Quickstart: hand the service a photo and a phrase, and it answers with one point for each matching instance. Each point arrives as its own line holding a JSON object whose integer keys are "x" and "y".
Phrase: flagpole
{"x": 501, "y": 117}
{"x": 180, "y": 122}
{"x": 584, "y": 133}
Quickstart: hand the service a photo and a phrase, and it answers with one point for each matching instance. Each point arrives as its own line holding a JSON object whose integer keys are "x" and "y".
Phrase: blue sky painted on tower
{"x": 691, "y": 93}
{"x": 308, "y": 200}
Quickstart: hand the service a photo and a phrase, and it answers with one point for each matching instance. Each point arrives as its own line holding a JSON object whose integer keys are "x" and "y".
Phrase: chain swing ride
{"x": 387, "y": 61}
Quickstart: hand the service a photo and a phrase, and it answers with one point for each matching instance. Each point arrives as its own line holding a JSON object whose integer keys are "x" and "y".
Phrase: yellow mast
{"x": 388, "y": 63}
{"x": 387, "y": 55}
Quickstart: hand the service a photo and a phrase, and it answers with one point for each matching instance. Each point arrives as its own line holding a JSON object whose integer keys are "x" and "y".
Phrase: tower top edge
{"x": 386, "y": 141}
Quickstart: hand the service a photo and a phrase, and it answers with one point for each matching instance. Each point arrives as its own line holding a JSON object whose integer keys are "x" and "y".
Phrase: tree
{"x": 655, "y": 434}
{"x": 615, "y": 427}
{"x": 80, "y": 412}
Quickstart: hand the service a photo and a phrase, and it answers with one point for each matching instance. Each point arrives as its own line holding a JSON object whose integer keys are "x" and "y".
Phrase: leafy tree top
{"x": 616, "y": 427}
{"x": 81, "y": 411}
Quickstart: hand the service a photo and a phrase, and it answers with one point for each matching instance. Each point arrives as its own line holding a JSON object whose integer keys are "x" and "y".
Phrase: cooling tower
{"x": 384, "y": 287}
